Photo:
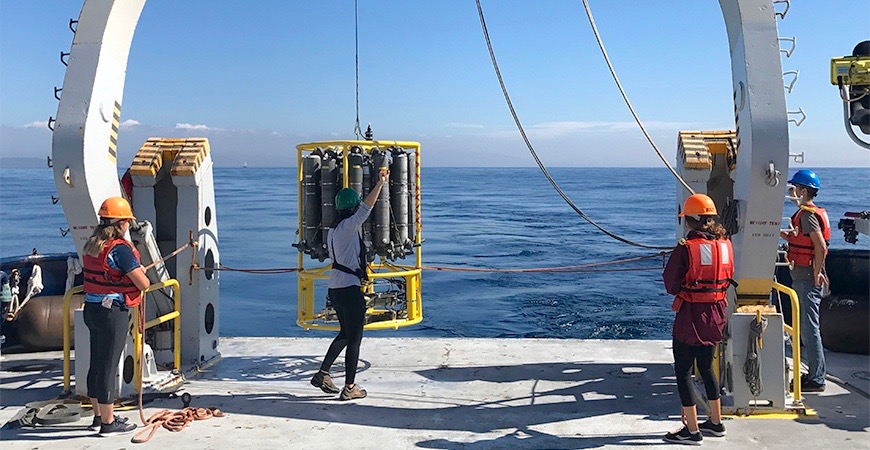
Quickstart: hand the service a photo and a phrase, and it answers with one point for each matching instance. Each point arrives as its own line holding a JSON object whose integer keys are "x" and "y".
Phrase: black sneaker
{"x": 99, "y": 421}
{"x": 324, "y": 382}
{"x": 116, "y": 427}
{"x": 712, "y": 429}
{"x": 684, "y": 437}
{"x": 812, "y": 386}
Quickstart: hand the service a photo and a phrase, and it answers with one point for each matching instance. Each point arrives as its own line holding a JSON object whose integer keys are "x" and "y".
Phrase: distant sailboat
{"x": 245, "y": 165}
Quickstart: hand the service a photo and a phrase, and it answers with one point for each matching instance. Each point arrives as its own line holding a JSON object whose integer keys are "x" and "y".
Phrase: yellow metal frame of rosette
{"x": 306, "y": 317}
{"x": 175, "y": 316}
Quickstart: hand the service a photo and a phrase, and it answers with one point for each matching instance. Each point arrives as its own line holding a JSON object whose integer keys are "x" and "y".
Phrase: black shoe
{"x": 812, "y": 386}
{"x": 116, "y": 427}
{"x": 99, "y": 421}
{"x": 712, "y": 429}
{"x": 684, "y": 437}
{"x": 324, "y": 382}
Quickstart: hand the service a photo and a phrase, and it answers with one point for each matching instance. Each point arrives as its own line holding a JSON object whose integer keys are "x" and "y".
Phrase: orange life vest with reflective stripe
{"x": 800, "y": 246}
{"x": 102, "y": 278}
{"x": 711, "y": 268}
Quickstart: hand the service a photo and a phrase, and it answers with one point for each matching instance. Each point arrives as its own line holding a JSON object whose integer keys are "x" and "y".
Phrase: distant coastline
{"x": 23, "y": 163}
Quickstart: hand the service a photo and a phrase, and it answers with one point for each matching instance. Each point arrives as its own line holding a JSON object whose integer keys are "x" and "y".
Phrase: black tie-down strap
{"x": 359, "y": 273}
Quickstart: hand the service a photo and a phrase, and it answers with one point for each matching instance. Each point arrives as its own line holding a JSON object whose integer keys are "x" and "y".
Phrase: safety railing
{"x": 175, "y": 315}
{"x": 795, "y": 332}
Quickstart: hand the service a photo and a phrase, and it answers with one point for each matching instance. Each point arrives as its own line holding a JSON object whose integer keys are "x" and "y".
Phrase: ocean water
{"x": 479, "y": 217}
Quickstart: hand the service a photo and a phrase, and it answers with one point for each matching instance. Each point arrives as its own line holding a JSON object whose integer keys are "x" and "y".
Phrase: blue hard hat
{"x": 806, "y": 177}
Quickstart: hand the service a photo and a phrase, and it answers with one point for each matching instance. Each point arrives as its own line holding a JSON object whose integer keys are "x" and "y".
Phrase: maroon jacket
{"x": 695, "y": 323}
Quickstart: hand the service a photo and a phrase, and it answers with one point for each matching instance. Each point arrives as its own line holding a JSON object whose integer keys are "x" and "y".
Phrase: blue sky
{"x": 259, "y": 77}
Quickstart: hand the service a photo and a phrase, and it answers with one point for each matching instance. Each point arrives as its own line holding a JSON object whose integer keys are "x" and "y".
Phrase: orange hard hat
{"x": 116, "y": 208}
{"x": 698, "y": 205}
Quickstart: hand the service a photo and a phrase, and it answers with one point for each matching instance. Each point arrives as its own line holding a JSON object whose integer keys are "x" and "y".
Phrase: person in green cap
{"x": 347, "y": 251}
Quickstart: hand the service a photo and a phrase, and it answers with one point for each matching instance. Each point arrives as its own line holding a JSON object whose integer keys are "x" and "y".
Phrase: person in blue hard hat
{"x": 347, "y": 251}
{"x": 807, "y": 248}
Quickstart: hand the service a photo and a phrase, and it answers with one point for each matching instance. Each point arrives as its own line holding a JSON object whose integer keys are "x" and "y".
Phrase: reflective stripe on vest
{"x": 711, "y": 268}
{"x": 101, "y": 278}
{"x": 800, "y": 247}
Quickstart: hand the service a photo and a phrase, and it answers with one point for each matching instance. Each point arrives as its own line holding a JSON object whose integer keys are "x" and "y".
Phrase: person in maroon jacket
{"x": 698, "y": 274}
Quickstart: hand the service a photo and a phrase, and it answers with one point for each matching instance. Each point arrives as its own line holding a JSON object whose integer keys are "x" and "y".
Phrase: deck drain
{"x": 629, "y": 372}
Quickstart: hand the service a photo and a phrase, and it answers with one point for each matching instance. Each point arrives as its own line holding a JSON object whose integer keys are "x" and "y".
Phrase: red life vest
{"x": 101, "y": 278}
{"x": 800, "y": 246}
{"x": 711, "y": 268}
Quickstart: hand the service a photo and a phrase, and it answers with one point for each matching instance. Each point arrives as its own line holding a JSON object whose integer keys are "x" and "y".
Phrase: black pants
{"x": 108, "y": 330}
{"x": 350, "y": 306}
{"x": 685, "y": 356}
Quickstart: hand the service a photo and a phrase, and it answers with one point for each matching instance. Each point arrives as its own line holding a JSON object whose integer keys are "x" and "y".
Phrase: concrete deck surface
{"x": 443, "y": 394}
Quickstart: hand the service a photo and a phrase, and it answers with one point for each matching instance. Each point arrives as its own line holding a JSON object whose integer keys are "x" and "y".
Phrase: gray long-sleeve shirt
{"x": 343, "y": 245}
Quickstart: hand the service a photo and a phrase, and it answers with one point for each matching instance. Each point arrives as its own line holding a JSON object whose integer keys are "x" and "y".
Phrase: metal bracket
{"x": 75, "y": 22}
{"x": 790, "y": 86}
{"x": 64, "y": 232}
{"x": 797, "y": 157}
{"x": 67, "y": 177}
{"x": 772, "y": 175}
{"x": 50, "y": 123}
{"x": 56, "y": 91}
{"x": 782, "y": 14}
{"x": 788, "y": 52}
{"x": 54, "y": 200}
{"x": 800, "y": 111}
{"x": 62, "y": 56}
{"x": 49, "y": 162}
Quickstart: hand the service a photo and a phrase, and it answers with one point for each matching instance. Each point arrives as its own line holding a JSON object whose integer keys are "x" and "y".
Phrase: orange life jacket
{"x": 711, "y": 268}
{"x": 800, "y": 246}
{"x": 101, "y": 278}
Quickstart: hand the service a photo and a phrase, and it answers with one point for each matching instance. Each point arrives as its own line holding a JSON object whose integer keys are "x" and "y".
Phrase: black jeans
{"x": 685, "y": 356}
{"x": 350, "y": 306}
{"x": 108, "y": 330}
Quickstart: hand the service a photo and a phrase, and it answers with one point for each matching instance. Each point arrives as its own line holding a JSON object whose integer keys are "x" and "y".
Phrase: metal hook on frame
{"x": 50, "y": 123}
{"x": 772, "y": 175}
{"x": 782, "y": 14}
{"x": 64, "y": 232}
{"x": 798, "y": 122}
{"x": 64, "y": 55}
{"x": 57, "y": 91}
{"x": 797, "y": 157}
{"x": 75, "y": 22}
{"x": 789, "y": 51}
{"x": 54, "y": 200}
{"x": 49, "y": 162}
{"x": 790, "y": 86}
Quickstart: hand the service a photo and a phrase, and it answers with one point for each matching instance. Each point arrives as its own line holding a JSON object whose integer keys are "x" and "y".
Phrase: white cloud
{"x": 463, "y": 125}
{"x": 189, "y": 126}
{"x": 129, "y": 123}
{"x": 36, "y": 124}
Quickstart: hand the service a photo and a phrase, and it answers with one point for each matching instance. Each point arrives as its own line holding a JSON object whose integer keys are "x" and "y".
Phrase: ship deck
{"x": 444, "y": 393}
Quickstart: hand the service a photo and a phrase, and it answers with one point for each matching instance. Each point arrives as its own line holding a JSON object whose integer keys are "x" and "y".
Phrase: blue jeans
{"x": 810, "y": 297}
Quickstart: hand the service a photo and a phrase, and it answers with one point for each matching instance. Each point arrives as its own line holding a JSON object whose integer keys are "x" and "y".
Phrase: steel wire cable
{"x": 625, "y": 97}
{"x": 356, "y": 128}
{"x": 535, "y": 155}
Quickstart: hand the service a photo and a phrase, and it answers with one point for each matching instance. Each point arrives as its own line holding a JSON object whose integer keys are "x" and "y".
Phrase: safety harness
{"x": 359, "y": 272}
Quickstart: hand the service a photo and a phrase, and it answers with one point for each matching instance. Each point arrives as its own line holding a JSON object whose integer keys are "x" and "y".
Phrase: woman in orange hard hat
{"x": 113, "y": 282}
{"x": 698, "y": 274}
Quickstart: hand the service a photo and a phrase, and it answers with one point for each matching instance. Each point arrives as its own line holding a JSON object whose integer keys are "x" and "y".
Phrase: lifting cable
{"x": 625, "y": 97}
{"x": 535, "y": 155}
{"x": 356, "y": 128}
